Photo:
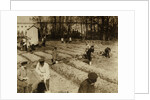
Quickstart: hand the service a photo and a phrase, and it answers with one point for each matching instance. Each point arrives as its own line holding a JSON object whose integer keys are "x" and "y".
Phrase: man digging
{"x": 43, "y": 71}
{"x": 54, "y": 56}
{"x": 88, "y": 54}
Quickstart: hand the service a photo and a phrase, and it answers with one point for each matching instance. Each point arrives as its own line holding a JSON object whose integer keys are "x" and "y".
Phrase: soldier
{"x": 22, "y": 79}
{"x": 88, "y": 53}
{"x": 87, "y": 86}
{"x": 43, "y": 71}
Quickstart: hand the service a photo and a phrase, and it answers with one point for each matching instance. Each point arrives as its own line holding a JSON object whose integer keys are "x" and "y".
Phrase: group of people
{"x": 90, "y": 50}
{"x": 43, "y": 71}
{"x": 68, "y": 40}
{"x": 26, "y": 45}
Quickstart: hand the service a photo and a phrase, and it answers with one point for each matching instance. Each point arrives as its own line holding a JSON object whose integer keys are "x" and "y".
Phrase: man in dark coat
{"x": 88, "y": 53}
{"x": 87, "y": 86}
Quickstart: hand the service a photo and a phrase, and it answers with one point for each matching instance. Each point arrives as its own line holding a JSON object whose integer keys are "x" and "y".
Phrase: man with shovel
{"x": 43, "y": 71}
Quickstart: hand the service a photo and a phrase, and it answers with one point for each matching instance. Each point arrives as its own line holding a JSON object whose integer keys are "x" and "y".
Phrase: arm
{"x": 47, "y": 72}
{"x": 37, "y": 69}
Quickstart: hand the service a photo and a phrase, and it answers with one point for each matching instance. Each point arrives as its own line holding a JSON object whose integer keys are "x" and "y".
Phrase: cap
{"x": 92, "y": 75}
{"x": 41, "y": 60}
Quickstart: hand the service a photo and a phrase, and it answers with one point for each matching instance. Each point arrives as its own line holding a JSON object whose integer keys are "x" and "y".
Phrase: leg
{"x": 47, "y": 84}
{"x": 90, "y": 60}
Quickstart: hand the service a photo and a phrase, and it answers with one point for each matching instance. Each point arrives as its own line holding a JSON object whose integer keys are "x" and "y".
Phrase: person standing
{"x": 44, "y": 41}
{"x": 70, "y": 39}
{"x": 43, "y": 71}
{"x": 87, "y": 86}
{"x": 24, "y": 44}
{"x": 22, "y": 79}
{"x": 54, "y": 56}
{"x": 88, "y": 53}
{"x": 62, "y": 40}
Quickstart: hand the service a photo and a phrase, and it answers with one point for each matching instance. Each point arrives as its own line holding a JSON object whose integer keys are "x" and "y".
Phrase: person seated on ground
{"x": 41, "y": 88}
{"x": 70, "y": 39}
{"x": 42, "y": 69}
{"x": 88, "y": 54}
{"x": 87, "y": 86}
{"x": 107, "y": 52}
{"x": 62, "y": 40}
{"x": 54, "y": 55}
{"x": 22, "y": 79}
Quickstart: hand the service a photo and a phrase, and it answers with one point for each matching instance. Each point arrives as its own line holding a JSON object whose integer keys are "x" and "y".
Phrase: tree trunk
{"x": 60, "y": 25}
{"x": 102, "y": 29}
{"x": 86, "y": 28}
{"x": 91, "y": 28}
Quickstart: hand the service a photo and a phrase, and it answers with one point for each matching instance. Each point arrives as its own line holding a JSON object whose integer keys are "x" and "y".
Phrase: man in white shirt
{"x": 43, "y": 71}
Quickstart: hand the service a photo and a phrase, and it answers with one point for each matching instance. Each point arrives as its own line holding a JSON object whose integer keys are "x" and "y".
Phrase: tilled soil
{"x": 66, "y": 76}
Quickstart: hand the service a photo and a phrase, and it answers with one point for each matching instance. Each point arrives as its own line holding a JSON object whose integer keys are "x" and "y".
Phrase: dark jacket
{"x": 89, "y": 54}
{"x": 86, "y": 87}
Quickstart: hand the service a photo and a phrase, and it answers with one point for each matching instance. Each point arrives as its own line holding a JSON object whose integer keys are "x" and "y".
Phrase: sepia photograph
{"x": 67, "y": 54}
